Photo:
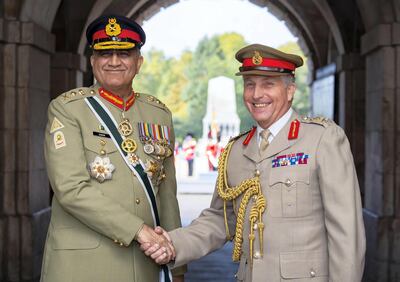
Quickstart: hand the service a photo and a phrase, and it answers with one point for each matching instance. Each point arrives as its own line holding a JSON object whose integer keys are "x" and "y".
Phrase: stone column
{"x": 350, "y": 71}
{"x": 381, "y": 47}
{"x": 25, "y": 50}
{"x": 66, "y": 72}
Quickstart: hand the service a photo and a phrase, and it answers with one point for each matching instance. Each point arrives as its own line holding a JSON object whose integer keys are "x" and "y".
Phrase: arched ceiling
{"x": 325, "y": 28}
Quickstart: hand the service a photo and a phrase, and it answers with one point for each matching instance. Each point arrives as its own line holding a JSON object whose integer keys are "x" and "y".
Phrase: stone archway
{"x": 42, "y": 53}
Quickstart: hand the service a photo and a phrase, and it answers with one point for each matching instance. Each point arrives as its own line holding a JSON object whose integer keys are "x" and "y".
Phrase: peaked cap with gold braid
{"x": 115, "y": 32}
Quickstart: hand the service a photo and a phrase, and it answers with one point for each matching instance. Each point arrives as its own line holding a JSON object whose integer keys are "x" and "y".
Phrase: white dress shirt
{"x": 275, "y": 127}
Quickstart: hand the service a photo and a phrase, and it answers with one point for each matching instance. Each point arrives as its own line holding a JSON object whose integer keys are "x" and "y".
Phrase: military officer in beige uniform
{"x": 287, "y": 191}
{"x": 104, "y": 147}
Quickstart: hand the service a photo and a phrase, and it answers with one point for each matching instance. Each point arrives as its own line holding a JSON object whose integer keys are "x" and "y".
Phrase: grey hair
{"x": 288, "y": 79}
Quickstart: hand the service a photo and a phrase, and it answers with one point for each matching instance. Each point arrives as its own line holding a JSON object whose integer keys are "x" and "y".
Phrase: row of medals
{"x": 160, "y": 149}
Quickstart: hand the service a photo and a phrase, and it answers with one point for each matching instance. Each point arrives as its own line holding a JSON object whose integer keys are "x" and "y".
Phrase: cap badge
{"x": 113, "y": 28}
{"x": 257, "y": 59}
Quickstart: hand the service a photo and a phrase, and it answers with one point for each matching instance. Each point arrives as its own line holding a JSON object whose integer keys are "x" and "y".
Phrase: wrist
{"x": 138, "y": 233}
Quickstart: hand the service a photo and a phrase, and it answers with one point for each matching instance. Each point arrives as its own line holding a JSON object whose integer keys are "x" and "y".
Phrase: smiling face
{"x": 267, "y": 98}
{"x": 115, "y": 69}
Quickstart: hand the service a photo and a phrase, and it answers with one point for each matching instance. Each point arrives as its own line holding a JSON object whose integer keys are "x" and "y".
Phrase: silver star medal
{"x": 101, "y": 169}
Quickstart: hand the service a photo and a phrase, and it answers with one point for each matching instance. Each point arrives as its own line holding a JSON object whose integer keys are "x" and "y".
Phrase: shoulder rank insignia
{"x": 56, "y": 125}
{"x": 294, "y": 130}
{"x": 317, "y": 120}
{"x": 149, "y": 99}
{"x": 78, "y": 93}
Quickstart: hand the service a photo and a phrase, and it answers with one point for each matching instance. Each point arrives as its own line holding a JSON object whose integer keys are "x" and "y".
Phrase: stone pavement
{"x": 194, "y": 195}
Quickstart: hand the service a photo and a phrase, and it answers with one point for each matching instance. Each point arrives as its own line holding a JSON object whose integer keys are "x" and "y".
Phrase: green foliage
{"x": 182, "y": 83}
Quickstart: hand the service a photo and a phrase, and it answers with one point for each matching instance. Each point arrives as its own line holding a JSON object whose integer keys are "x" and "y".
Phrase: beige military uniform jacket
{"x": 314, "y": 228}
{"x": 93, "y": 225}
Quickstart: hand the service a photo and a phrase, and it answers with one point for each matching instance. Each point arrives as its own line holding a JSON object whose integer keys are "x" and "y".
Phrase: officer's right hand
{"x": 156, "y": 245}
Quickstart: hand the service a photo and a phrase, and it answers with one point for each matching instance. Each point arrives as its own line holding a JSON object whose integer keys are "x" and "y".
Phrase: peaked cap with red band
{"x": 115, "y": 32}
{"x": 262, "y": 60}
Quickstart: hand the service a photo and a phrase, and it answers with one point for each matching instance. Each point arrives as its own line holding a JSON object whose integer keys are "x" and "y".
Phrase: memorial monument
{"x": 220, "y": 123}
{"x": 221, "y": 112}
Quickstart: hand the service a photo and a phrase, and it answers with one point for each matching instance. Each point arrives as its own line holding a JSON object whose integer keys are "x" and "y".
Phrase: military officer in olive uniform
{"x": 287, "y": 191}
{"x": 109, "y": 159}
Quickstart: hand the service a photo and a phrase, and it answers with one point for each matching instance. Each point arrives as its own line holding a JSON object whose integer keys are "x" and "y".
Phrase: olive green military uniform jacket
{"x": 93, "y": 225}
{"x": 314, "y": 228}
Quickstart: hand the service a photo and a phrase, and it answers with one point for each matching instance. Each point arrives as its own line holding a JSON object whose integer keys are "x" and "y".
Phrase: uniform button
{"x": 257, "y": 255}
{"x": 137, "y": 201}
{"x": 312, "y": 273}
{"x": 92, "y": 92}
{"x": 288, "y": 182}
{"x": 73, "y": 94}
{"x": 236, "y": 275}
{"x": 102, "y": 152}
{"x": 121, "y": 244}
{"x": 257, "y": 172}
{"x": 289, "y": 204}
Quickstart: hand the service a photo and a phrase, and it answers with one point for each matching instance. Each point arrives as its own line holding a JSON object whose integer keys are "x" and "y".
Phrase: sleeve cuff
{"x": 179, "y": 270}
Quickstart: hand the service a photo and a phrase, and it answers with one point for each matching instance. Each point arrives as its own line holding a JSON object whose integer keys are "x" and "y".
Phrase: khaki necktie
{"x": 264, "y": 139}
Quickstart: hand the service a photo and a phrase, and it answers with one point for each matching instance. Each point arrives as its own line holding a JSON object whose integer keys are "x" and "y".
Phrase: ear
{"x": 91, "y": 60}
{"x": 139, "y": 63}
{"x": 291, "y": 89}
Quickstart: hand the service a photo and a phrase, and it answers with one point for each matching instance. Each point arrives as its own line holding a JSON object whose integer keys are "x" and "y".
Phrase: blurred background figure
{"x": 189, "y": 147}
{"x": 213, "y": 148}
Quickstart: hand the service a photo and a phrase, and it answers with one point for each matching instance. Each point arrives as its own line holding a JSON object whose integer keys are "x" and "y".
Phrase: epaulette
{"x": 325, "y": 122}
{"x": 76, "y": 94}
{"x": 149, "y": 99}
{"x": 240, "y": 135}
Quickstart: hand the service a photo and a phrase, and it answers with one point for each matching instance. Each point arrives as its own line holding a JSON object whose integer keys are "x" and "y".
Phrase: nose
{"x": 114, "y": 60}
{"x": 258, "y": 93}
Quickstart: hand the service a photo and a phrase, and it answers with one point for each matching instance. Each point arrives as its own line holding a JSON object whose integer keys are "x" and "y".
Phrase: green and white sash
{"x": 108, "y": 122}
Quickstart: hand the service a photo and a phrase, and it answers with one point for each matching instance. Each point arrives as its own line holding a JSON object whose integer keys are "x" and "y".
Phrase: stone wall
{"x": 380, "y": 46}
{"x": 25, "y": 51}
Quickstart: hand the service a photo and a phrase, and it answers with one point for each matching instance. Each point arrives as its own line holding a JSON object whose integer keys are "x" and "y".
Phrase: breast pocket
{"x": 290, "y": 189}
{"x": 98, "y": 146}
{"x": 102, "y": 159}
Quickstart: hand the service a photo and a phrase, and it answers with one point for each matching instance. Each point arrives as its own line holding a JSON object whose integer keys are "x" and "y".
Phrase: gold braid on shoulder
{"x": 249, "y": 188}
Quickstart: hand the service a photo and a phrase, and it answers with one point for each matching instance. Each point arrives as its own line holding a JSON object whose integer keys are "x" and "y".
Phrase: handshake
{"x": 156, "y": 244}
